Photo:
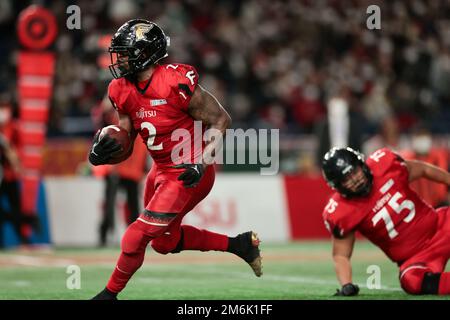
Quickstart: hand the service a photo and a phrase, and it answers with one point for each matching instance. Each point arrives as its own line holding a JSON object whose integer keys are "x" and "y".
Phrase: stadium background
{"x": 273, "y": 65}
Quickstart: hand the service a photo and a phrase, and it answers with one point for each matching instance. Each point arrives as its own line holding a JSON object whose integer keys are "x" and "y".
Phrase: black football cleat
{"x": 246, "y": 246}
{"x": 105, "y": 294}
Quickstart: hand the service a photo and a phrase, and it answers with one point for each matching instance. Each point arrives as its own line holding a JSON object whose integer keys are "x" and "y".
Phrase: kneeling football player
{"x": 374, "y": 198}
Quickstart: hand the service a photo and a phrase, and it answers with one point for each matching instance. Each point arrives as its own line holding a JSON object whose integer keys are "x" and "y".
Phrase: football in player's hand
{"x": 122, "y": 137}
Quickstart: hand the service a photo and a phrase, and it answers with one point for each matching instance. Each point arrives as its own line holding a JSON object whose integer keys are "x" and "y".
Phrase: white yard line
{"x": 289, "y": 279}
{"x": 21, "y": 283}
{"x": 58, "y": 262}
{"x": 39, "y": 261}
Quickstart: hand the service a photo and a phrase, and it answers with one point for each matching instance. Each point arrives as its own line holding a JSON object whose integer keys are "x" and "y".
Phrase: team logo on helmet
{"x": 142, "y": 41}
{"x": 141, "y": 29}
{"x": 338, "y": 163}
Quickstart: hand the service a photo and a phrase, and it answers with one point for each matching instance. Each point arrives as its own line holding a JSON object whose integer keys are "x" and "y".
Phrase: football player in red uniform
{"x": 374, "y": 198}
{"x": 153, "y": 100}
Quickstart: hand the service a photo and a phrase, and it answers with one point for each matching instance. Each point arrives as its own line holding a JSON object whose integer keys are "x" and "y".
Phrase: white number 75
{"x": 383, "y": 214}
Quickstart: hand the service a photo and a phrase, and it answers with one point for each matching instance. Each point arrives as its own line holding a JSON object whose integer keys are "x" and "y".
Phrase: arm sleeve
{"x": 341, "y": 219}
{"x": 397, "y": 163}
{"x": 334, "y": 228}
{"x": 184, "y": 81}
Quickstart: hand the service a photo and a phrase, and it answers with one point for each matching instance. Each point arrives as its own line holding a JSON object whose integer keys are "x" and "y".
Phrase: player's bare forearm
{"x": 419, "y": 169}
{"x": 342, "y": 252}
{"x": 206, "y": 108}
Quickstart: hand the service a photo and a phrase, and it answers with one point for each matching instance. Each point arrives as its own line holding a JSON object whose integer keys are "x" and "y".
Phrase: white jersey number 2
{"x": 151, "y": 136}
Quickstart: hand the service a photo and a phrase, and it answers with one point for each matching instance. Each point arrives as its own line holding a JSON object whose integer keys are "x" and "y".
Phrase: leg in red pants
{"x": 424, "y": 273}
{"x": 167, "y": 201}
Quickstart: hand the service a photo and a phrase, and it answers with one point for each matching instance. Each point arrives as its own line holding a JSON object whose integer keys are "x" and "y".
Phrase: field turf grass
{"x": 300, "y": 270}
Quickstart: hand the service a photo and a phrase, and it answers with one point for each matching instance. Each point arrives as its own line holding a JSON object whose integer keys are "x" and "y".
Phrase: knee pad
{"x": 168, "y": 243}
{"x": 419, "y": 280}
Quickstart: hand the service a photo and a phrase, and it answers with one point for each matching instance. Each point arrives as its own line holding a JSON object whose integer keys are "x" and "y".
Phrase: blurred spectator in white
{"x": 376, "y": 106}
{"x": 341, "y": 128}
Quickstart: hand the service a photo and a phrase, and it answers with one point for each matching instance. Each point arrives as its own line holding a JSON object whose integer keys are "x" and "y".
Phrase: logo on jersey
{"x": 380, "y": 203}
{"x": 142, "y": 113}
{"x": 157, "y": 102}
{"x": 141, "y": 29}
{"x": 387, "y": 196}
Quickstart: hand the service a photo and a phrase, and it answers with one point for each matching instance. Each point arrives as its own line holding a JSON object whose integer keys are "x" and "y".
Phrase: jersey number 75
{"x": 397, "y": 206}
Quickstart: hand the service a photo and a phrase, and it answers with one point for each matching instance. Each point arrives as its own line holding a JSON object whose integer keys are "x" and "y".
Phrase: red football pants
{"x": 166, "y": 203}
{"x": 164, "y": 193}
{"x": 433, "y": 259}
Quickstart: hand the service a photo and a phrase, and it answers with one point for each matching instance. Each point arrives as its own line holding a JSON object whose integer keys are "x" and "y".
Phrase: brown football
{"x": 122, "y": 137}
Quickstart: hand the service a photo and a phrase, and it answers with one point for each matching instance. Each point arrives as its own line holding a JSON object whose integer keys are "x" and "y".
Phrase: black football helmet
{"x": 338, "y": 163}
{"x": 144, "y": 44}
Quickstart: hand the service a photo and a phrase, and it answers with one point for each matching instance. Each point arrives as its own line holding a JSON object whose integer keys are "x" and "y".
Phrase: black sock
{"x": 233, "y": 245}
{"x": 113, "y": 294}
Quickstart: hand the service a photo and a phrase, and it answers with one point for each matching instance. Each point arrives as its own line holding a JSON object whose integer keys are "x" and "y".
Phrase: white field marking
{"x": 21, "y": 283}
{"x": 151, "y": 280}
{"x": 290, "y": 279}
{"x": 39, "y": 262}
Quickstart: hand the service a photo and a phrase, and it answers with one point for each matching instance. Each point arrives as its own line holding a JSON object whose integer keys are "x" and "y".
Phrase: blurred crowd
{"x": 273, "y": 64}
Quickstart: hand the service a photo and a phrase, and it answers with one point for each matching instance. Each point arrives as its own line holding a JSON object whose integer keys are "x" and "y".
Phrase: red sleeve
{"x": 384, "y": 160}
{"x": 118, "y": 96}
{"x": 183, "y": 79}
{"x": 341, "y": 218}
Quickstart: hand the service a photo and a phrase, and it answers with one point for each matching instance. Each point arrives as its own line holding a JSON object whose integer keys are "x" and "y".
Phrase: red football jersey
{"x": 392, "y": 216}
{"x": 160, "y": 110}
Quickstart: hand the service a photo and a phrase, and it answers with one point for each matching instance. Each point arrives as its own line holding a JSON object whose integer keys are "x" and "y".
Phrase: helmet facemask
{"x": 121, "y": 67}
{"x": 362, "y": 191}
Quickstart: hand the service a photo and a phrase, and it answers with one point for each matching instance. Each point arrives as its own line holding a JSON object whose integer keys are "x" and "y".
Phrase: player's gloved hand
{"x": 192, "y": 175}
{"x": 103, "y": 149}
{"x": 348, "y": 290}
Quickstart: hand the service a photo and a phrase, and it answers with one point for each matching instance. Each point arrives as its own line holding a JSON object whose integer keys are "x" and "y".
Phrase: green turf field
{"x": 300, "y": 270}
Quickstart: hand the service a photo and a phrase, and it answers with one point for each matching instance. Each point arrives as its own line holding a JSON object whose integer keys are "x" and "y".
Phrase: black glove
{"x": 348, "y": 290}
{"x": 104, "y": 149}
{"x": 192, "y": 175}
